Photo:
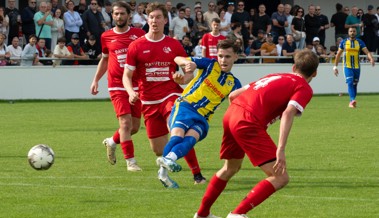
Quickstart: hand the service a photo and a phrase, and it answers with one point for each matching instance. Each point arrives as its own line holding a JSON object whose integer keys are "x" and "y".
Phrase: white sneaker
{"x": 133, "y": 166}
{"x": 209, "y": 216}
{"x": 166, "y": 181}
{"x": 168, "y": 164}
{"x": 111, "y": 151}
{"x": 231, "y": 215}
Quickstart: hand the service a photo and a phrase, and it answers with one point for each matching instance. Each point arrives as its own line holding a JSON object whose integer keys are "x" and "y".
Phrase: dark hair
{"x": 227, "y": 43}
{"x": 339, "y": 7}
{"x": 333, "y": 48}
{"x": 157, "y": 6}
{"x": 236, "y": 25}
{"x": 31, "y": 36}
{"x": 306, "y": 62}
{"x": 217, "y": 20}
{"x": 122, "y": 4}
{"x": 61, "y": 39}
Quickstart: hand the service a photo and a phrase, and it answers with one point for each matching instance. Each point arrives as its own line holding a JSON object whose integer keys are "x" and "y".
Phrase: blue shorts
{"x": 352, "y": 75}
{"x": 184, "y": 116}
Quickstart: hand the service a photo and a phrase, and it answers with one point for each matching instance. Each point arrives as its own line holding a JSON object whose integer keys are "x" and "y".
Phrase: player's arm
{"x": 100, "y": 71}
{"x": 237, "y": 92}
{"x": 338, "y": 56}
{"x": 188, "y": 67}
{"x": 128, "y": 84}
{"x": 369, "y": 55}
{"x": 284, "y": 130}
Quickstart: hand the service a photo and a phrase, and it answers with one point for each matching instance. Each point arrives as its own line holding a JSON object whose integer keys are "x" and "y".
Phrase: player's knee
{"x": 282, "y": 180}
{"x": 134, "y": 130}
{"x": 227, "y": 172}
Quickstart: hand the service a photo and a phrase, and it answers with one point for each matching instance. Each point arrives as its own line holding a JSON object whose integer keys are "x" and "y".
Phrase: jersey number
{"x": 264, "y": 82}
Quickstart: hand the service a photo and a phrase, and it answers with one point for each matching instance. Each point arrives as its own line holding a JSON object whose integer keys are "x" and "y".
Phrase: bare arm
{"x": 369, "y": 55}
{"x": 188, "y": 68}
{"x": 101, "y": 70}
{"x": 338, "y": 56}
{"x": 127, "y": 82}
{"x": 237, "y": 92}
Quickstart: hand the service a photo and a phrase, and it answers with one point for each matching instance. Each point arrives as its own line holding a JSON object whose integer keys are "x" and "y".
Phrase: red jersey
{"x": 210, "y": 43}
{"x": 153, "y": 63}
{"x": 268, "y": 97}
{"x": 115, "y": 45}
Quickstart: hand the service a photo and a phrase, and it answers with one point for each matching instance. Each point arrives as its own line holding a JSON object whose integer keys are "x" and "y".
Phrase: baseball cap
{"x": 197, "y": 6}
{"x": 269, "y": 34}
{"x": 370, "y": 7}
{"x": 316, "y": 39}
{"x": 231, "y": 3}
{"x": 75, "y": 36}
{"x": 261, "y": 31}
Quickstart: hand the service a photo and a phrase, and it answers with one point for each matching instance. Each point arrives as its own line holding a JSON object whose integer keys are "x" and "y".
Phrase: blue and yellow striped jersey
{"x": 352, "y": 49}
{"x": 210, "y": 87}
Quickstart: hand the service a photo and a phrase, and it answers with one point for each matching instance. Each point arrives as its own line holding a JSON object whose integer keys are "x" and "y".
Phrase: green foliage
{"x": 332, "y": 157}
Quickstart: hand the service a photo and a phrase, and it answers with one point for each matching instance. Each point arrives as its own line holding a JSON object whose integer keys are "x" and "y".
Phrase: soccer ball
{"x": 41, "y": 157}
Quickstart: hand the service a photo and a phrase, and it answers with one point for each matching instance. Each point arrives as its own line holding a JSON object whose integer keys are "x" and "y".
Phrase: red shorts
{"x": 156, "y": 116}
{"x": 242, "y": 134}
{"x": 121, "y": 105}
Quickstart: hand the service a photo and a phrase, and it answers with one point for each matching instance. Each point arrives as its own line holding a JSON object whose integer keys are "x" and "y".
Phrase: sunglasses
{"x": 93, "y": 3}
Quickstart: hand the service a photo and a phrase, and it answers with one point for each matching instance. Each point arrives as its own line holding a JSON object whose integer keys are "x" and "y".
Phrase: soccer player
{"x": 351, "y": 48}
{"x": 115, "y": 43}
{"x": 210, "y": 40}
{"x": 194, "y": 109}
{"x": 253, "y": 108}
{"x": 151, "y": 59}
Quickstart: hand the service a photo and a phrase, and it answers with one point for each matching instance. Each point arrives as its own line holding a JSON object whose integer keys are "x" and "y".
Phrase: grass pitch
{"x": 332, "y": 157}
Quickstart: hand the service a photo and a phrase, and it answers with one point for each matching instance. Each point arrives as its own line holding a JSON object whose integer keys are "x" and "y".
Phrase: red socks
{"x": 116, "y": 137}
{"x": 128, "y": 149}
{"x": 214, "y": 189}
{"x": 258, "y": 194}
{"x": 191, "y": 160}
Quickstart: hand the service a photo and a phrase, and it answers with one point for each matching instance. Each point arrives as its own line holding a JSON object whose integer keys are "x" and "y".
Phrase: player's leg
{"x": 126, "y": 142}
{"x": 349, "y": 77}
{"x": 217, "y": 185}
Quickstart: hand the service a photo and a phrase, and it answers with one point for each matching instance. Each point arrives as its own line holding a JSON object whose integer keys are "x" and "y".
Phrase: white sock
{"x": 172, "y": 156}
{"x": 111, "y": 141}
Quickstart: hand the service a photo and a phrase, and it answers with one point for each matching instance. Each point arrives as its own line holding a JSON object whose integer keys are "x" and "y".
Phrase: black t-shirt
{"x": 260, "y": 23}
{"x": 339, "y": 19}
{"x": 298, "y": 24}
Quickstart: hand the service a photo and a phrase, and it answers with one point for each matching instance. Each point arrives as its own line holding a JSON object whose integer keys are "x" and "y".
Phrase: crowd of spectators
{"x": 51, "y": 31}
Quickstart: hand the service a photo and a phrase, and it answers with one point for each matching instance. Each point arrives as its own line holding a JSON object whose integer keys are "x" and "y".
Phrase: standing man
{"x": 279, "y": 23}
{"x": 179, "y": 27}
{"x": 151, "y": 59}
{"x": 353, "y": 21}
{"x": 115, "y": 43}
{"x": 351, "y": 48}
{"x": 324, "y": 25}
{"x": 338, "y": 21}
{"x": 253, "y": 108}
{"x": 27, "y": 18}
{"x": 243, "y": 17}
{"x": 211, "y": 13}
{"x": 92, "y": 21}
{"x": 261, "y": 21}
{"x": 43, "y": 22}
{"x": 312, "y": 25}
{"x": 14, "y": 20}
{"x": 371, "y": 26}
{"x": 193, "y": 110}
{"x": 210, "y": 40}
{"x": 139, "y": 19}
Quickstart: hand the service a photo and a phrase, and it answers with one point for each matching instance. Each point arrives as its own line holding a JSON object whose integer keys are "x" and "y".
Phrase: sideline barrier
{"x": 73, "y": 82}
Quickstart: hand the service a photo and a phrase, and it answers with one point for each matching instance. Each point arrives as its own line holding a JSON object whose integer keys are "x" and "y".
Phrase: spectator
{"x": 346, "y": 10}
{"x": 4, "y": 52}
{"x": 289, "y": 16}
{"x": 72, "y": 21}
{"x": 279, "y": 22}
{"x": 353, "y": 21}
{"x": 106, "y": 23}
{"x": 236, "y": 32}
{"x": 61, "y": 51}
{"x": 210, "y": 40}
{"x": 200, "y": 27}
{"x": 279, "y": 46}
{"x": 251, "y": 22}
{"x": 92, "y": 49}
{"x": 133, "y": 5}
{"x": 43, "y": 52}
{"x": 243, "y": 17}
{"x": 269, "y": 49}
{"x": 197, "y": 8}
{"x": 43, "y": 22}
{"x": 370, "y": 23}
{"x": 108, "y": 11}
{"x": 220, "y": 5}
{"x": 29, "y": 55}
{"x": 54, "y": 7}
{"x": 81, "y": 7}
{"x": 241, "y": 54}
{"x": 261, "y": 21}
{"x": 289, "y": 50}
{"x": 257, "y": 44}
{"x": 321, "y": 53}
{"x": 315, "y": 43}
{"x": 324, "y": 25}
{"x": 312, "y": 25}
{"x": 198, "y": 49}
{"x": 248, "y": 50}
{"x": 338, "y": 21}
{"x": 332, "y": 54}
{"x": 187, "y": 16}
{"x": 187, "y": 45}
{"x": 75, "y": 50}
{"x": 224, "y": 25}
{"x": 230, "y": 11}
{"x": 15, "y": 50}
{"x": 211, "y": 13}
{"x": 93, "y": 22}
{"x": 27, "y": 18}
{"x": 14, "y": 20}
{"x": 179, "y": 27}
{"x": 298, "y": 28}
{"x": 4, "y": 22}
{"x": 338, "y": 42}
{"x": 139, "y": 19}
{"x": 169, "y": 18}
{"x": 57, "y": 30}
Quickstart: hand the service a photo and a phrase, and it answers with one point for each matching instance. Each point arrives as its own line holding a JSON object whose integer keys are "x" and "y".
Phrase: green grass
{"x": 332, "y": 157}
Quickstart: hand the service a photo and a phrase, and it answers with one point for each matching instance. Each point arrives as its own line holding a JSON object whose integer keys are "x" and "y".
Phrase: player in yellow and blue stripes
{"x": 351, "y": 48}
{"x": 193, "y": 110}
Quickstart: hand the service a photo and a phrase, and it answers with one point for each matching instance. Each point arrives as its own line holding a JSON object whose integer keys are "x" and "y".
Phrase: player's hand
{"x": 189, "y": 67}
{"x": 133, "y": 97}
{"x": 335, "y": 70}
{"x": 372, "y": 61}
{"x": 280, "y": 165}
{"x": 94, "y": 88}
{"x": 178, "y": 77}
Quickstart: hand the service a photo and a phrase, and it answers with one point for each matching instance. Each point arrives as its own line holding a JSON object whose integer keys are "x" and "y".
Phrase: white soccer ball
{"x": 41, "y": 157}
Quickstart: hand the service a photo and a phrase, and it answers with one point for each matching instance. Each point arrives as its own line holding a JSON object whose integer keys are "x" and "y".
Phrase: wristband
{"x": 335, "y": 68}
